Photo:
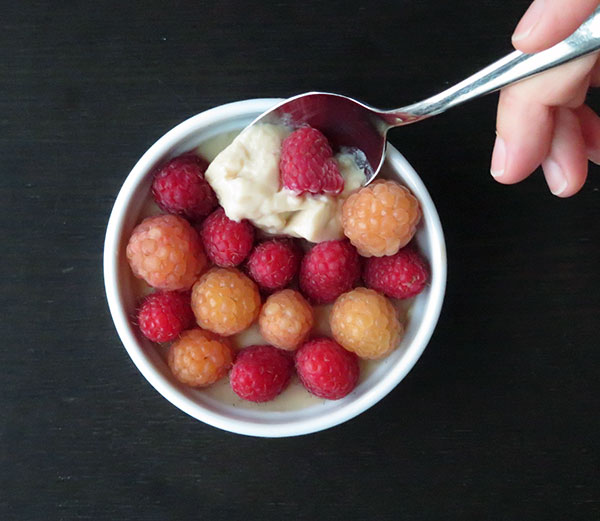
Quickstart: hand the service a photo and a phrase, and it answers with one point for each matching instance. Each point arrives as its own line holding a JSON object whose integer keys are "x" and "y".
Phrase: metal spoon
{"x": 348, "y": 123}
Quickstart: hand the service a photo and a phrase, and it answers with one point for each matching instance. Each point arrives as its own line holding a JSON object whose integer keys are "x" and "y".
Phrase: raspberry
{"x": 380, "y": 218}
{"x": 179, "y": 187}
{"x": 165, "y": 314}
{"x": 227, "y": 242}
{"x": 199, "y": 358}
{"x": 365, "y": 322}
{"x": 273, "y": 264}
{"x": 326, "y": 369}
{"x": 402, "y": 275}
{"x": 328, "y": 270}
{"x": 260, "y": 373}
{"x": 286, "y": 319}
{"x": 225, "y": 301}
{"x": 307, "y": 163}
{"x": 165, "y": 251}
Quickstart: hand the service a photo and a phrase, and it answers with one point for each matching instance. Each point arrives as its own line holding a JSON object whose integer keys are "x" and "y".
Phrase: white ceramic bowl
{"x": 260, "y": 421}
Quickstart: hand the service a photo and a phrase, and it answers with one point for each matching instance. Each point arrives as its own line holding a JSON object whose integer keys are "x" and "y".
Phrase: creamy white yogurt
{"x": 245, "y": 177}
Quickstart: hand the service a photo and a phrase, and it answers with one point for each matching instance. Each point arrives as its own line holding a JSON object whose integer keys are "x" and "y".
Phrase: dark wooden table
{"x": 498, "y": 420}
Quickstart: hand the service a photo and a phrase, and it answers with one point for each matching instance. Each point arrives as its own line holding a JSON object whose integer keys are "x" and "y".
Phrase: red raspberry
{"x": 307, "y": 163}
{"x": 328, "y": 270}
{"x": 179, "y": 187}
{"x": 402, "y": 275}
{"x": 165, "y": 314}
{"x": 260, "y": 373}
{"x": 326, "y": 369}
{"x": 273, "y": 264}
{"x": 227, "y": 243}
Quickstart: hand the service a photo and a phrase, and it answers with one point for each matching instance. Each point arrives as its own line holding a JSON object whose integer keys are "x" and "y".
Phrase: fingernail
{"x": 594, "y": 156}
{"x": 555, "y": 176}
{"x": 498, "y": 157}
{"x": 529, "y": 21}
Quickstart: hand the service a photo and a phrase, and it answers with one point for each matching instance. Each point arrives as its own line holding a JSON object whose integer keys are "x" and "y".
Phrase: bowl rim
{"x": 272, "y": 429}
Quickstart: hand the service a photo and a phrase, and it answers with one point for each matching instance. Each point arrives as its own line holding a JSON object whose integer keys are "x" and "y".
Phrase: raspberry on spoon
{"x": 307, "y": 163}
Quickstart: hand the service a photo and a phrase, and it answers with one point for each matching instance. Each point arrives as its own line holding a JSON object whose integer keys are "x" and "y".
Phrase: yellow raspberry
{"x": 166, "y": 252}
{"x": 225, "y": 301}
{"x": 380, "y": 218}
{"x": 366, "y": 323}
{"x": 286, "y": 319}
{"x": 199, "y": 358}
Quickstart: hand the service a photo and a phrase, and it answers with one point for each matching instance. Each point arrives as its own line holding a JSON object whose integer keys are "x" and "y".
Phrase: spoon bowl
{"x": 347, "y": 123}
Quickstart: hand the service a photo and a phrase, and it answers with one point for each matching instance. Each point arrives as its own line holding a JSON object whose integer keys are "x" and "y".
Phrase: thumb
{"x": 547, "y": 22}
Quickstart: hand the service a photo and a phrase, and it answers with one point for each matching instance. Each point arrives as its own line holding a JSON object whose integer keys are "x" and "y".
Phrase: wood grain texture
{"x": 498, "y": 420}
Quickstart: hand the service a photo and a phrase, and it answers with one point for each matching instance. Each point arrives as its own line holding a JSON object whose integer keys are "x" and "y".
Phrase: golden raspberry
{"x": 199, "y": 358}
{"x": 286, "y": 319}
{"x": 365, "y": 322}
{"x": 380, "y": 218}
{"x": 166, "y": 252}
{"x": 225, "y": 301}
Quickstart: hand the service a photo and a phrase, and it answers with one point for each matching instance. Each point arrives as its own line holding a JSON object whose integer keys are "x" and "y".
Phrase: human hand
{"x": 544, "y": 121}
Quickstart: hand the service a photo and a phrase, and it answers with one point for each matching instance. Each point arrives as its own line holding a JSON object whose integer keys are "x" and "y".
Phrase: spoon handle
{"x": 510, "y": 69}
